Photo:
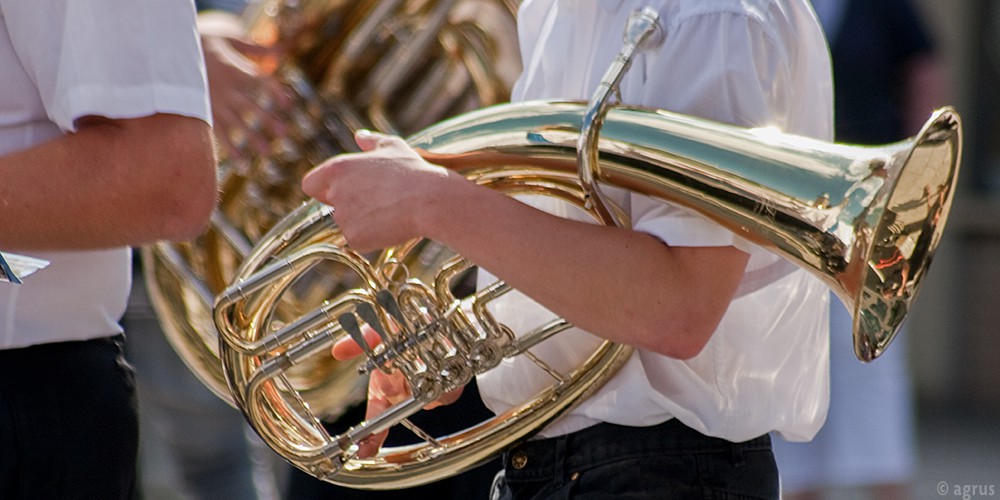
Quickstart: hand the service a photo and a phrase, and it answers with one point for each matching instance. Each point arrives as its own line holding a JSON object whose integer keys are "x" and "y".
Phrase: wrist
{"x": 443, "y": 205}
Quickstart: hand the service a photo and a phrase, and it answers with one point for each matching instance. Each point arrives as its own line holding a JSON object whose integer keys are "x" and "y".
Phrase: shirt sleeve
{"x": 113, "y": 58}
{"x": 720, "y": 66}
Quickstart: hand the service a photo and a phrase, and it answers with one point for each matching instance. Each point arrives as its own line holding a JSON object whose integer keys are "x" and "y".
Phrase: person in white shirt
{"x": 105, "y": 142}
{"x": 721, "y": 359}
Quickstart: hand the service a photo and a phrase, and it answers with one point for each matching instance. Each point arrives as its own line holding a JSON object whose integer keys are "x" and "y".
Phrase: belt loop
{"x": 737, "y": 454}
{"x": 560, "y": 457}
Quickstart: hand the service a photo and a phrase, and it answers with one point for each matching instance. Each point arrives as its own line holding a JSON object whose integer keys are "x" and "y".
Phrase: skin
{"x": 671, "y": 298}
{"x": 245, "y": 96}
{"x": 111, "y": 183}
{"x": 241, "y": 92}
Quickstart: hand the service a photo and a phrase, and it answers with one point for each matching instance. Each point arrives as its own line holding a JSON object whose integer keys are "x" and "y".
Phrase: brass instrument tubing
{"x": 538, "y": 335}
{"x": 306, "y": 323}
{"x": 172, "y": 259}
{"x": 488, "y": 294}
{"x": 361, "y": 37}
{"x": 278, "y": 364}
{"x": 243, "y": 289}
{"x": 232, "y": 235}
{"x": 359, "y": 40}
{"x": 422, "y": 434}
{"x": 546, "y": 368}
{"x": 409, "y": 341}
{"x": 642, "y": 32}
{"x": 376, "y": 424}
{"x": 276, "y": 271}
{"x": 389, "y": 76}
{"x": 317, "y": 222}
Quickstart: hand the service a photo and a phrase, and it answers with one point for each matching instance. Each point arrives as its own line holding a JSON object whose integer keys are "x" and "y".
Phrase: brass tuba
{"x": 865, "y": 220}
{"x": 390, "y": 65}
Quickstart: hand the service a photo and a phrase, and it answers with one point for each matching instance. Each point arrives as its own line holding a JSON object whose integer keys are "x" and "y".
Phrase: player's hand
{"x": 384, "y": 390}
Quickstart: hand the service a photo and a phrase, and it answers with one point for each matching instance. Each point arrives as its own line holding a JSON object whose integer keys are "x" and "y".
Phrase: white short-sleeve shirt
{"x": 64, "y": 59}
{"x": 747, "y": 62}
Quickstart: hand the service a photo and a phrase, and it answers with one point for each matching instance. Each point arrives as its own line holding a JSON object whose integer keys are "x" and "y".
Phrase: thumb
{"x": 368, "y": 140}
{"x": 314, "y": 183}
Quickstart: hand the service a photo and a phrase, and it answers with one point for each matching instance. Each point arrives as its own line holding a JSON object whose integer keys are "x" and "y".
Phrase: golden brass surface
{"x": 389, "y": 65}
{"x": 865, "y": 220}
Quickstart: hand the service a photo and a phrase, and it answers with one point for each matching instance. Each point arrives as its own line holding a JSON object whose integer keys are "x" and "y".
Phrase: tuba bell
{"x": 390, "y": 65}
{"x": 865, "y": 220}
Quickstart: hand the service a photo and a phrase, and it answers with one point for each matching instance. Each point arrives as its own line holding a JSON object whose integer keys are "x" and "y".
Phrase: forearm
{"x": 616, "y": 283}
{"x": 622, "y": 285}
{"x": 112, "y": 183}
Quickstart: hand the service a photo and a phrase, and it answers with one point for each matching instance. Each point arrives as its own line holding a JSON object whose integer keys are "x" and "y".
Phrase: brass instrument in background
{"x": 865, "y": 220}
{"x": 389, "y": 65}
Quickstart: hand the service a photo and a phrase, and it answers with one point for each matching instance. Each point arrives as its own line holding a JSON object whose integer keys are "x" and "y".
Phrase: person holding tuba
{"x": 731, "y": 340}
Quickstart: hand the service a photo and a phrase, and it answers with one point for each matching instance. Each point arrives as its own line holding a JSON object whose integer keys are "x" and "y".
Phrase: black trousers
{"x": 663, "y": 461}
{"x": 68, "y": 422}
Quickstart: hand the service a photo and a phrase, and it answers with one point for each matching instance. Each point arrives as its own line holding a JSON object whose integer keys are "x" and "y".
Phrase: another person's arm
{"x": 111, "y": 183}
{"x": 129, "y": 159}
{"x": 247, "y": 100}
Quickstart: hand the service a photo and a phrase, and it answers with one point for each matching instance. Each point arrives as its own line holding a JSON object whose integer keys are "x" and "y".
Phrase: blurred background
{"x": 953, "y": 333}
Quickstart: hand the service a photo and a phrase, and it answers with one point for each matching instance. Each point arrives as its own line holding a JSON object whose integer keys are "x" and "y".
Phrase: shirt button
{"x": 519, "y": 459}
